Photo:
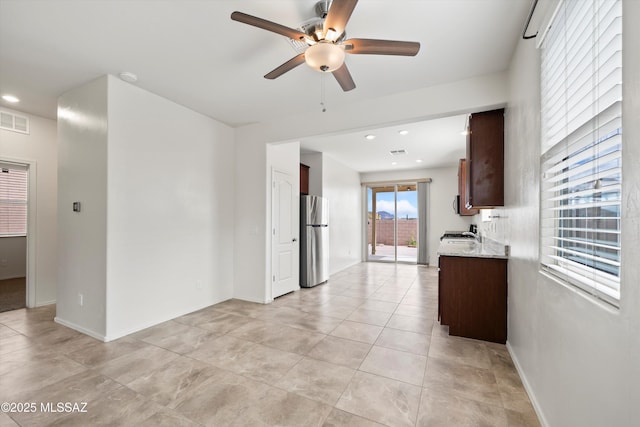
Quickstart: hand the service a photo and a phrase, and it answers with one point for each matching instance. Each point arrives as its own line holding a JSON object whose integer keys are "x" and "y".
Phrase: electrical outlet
{"x": 80, "y": 300}
{"x": 198, "y": 284}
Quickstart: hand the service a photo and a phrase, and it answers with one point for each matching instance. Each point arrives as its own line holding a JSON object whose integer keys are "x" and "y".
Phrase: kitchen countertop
{"x": 472, "y": 248}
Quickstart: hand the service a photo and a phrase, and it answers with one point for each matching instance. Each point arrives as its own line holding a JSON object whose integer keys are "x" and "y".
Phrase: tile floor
{"x": 364, "y": 349}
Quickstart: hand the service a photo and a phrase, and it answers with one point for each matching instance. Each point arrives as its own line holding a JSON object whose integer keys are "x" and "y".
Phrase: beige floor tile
{"x": 338, "y": 418}
{"x": 136, "y": 364}
{"x": 7, "y": 421}
{"x": 381, "y": 399}
{"x": 88, "y": 386}
{"x": 272, "y": 364}
{"x": 174, "y": 380}
{"x": 167, "y": 418}
{"x": 384, "y": 306}
{"x": 370, "y": 317}
{"x": 317, "y": 380}
{"x": 163, "y": 330}
{"x": 357, "y": 331}
{"x": 312, "y": 322}
{"x": 120, "y": 407}
{"x": 224, "y": 323}
{"x": 410, "y": 323}
{"x": 397, "y": 339}
{"x": 395, "y": 364}
{"x": 18, "y": 375}
{"x": 520, "y": 419}
{"x": 293, "y": 340}
{"x": 279, "y": 408}
{"x": 340, "y": 351}
{"x": 220, "y": 400}
{"x": 445, "y": 409}
{"x": 185, "y": 342}
{"x": 254, "y": 330}
{"x": 417, "y": 311}
{"x": 464, "y": 381}
{"x": 461, "y": 350}
{"x": 338, "y": 312}
{"x": 222, "y": 352}
{"x": 265, "y": 364}
{"x": 99, "y": 353}
{"x": 10, "y": 343}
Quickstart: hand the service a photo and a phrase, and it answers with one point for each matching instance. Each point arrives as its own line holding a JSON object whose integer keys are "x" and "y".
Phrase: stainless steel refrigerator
{"x": 314, "y": 241}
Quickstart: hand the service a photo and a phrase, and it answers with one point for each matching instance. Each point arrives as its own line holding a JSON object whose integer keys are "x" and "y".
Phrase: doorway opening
{"x": 392, "y": 223}
{"x": 14, "y": 187}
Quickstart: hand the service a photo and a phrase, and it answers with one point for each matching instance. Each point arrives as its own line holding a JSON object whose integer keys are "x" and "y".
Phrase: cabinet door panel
{"x": 474, "y": 297}
{"x": 485, "y": 159}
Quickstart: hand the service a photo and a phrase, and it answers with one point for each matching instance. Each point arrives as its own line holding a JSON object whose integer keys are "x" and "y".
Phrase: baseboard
{"x": 527, "y": 387}
{"x": 85, "y": 331}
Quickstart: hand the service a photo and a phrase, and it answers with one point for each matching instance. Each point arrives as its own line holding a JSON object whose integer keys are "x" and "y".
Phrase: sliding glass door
{"x": 392, "y": 223}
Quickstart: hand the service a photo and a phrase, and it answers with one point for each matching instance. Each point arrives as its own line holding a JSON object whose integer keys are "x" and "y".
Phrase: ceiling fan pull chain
{"x": 322, "y": 93}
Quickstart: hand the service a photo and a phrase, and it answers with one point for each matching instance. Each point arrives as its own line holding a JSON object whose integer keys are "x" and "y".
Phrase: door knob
{"x": 294, "y": 240}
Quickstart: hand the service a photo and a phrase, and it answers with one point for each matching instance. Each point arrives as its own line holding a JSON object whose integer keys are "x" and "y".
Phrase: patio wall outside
{"x": 407, "y": 230}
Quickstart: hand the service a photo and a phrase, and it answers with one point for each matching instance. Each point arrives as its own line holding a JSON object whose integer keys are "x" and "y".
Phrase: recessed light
{"x": 370, "y": 137}
{"x": 419, "y": 161}
{"x": 394, "y": 163}
{"x": 128, "y": 77}
{"x": 403, "y": 132}
{"x": 10, "y": 98}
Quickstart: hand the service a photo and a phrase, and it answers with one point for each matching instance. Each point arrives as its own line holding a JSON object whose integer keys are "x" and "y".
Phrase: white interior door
{"x": 284, "y": 224}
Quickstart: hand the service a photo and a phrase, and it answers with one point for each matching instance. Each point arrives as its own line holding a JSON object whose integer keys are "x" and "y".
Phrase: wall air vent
{"x": 398, "y": 152}
{"x": 13, "y": 122}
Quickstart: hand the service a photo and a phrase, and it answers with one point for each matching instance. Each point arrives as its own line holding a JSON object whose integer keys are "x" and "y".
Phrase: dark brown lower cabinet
{"x": 472, "y": 297}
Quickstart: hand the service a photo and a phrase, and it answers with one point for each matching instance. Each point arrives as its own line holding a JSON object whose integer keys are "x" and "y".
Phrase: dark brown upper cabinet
{"x": 485, "y": 160}
{"x": 304, "y": 179}
{"x": 463, "y": 210}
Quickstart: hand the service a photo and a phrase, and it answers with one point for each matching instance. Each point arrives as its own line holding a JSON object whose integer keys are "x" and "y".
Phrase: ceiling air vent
{"x": 398, "y": 152}
{"x": 9, "y": 121}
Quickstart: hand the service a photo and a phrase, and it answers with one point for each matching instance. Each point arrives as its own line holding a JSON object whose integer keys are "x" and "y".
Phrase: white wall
{"x": 154, "y": 239}
{"x": 476, "y": 94}
{"x": 341, "y": 186}
{"x": 170, "y": 210}
{"x": 442, "y": 192}
{"x": 39, "y": 149}
{"x": 314, "y": 161}
{"x": 82, "y": 236}
{"x": 579, "y": 358}
{"x": 13, "y": 257}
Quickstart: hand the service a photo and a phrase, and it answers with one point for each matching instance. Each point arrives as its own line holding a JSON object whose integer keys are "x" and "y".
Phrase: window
{"x": 581, "y": 80}
{"x": 13, "y": 201}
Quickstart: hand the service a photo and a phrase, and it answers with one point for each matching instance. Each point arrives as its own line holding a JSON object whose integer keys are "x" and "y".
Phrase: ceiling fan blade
{"x": 343, "y": 76}
{"x": 268, "y": 25}
{"x": 338, "y": 15}
{"x": 287, "y": 66}
{"x": 381, "y": 47}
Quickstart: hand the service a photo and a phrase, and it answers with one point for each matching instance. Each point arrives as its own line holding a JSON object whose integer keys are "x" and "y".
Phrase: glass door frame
{"x": 370, "y": 196}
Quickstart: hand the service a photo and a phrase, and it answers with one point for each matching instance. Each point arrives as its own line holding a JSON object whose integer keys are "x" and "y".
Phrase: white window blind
{"x": 581, "y": 81}
{"x": 13, "y": 201}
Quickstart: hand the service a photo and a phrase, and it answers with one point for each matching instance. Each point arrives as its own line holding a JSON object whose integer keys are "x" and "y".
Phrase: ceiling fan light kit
{"x": 324, "y": 56}
{"x": 325, "y": 45}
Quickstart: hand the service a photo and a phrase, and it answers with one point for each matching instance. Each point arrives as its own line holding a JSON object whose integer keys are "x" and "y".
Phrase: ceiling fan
{"x": 324, "y": 41}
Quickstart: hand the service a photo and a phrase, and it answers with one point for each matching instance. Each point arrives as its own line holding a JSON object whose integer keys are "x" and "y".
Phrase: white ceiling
{"x": 435, "y": 143}
{"x": 191, "y": 52}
